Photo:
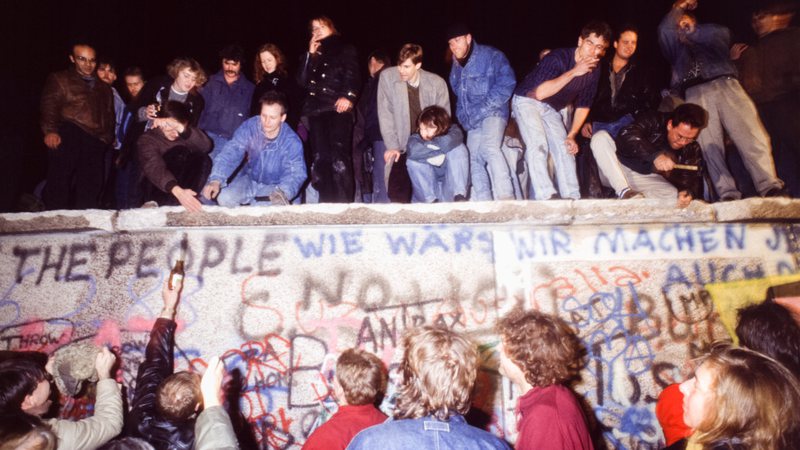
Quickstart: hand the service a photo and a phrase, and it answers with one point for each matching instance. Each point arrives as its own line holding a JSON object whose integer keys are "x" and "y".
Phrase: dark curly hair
{"x": 544, "y": 347}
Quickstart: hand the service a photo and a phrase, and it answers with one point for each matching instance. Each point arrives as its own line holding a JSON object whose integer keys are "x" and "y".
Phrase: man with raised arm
{"x": 566, "y": 76}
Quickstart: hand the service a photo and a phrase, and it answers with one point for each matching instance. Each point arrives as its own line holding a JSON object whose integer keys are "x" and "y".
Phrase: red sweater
{"x": 550, "y": 418}
{"x": 336, "y": 433}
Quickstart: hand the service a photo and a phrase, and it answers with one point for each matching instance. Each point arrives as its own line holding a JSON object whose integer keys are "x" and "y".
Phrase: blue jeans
{"x": 379, "y": 191}
{"x": 489, "y": 171}
{"x": 544, "y": 132}
{"x": 441, "y": 183}
{"x": 243, "y": 191}
{"x": 612, "y": 128}
{"x": 219, "y": 143}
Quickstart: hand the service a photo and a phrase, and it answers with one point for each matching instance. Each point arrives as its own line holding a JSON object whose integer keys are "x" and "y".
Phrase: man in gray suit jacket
{"x": 403, "y": 92}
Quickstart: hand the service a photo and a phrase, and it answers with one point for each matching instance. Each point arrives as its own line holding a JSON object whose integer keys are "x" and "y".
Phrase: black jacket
{"x": 637, "y": 94}
{"x": 329, "y": 74}
{"x": 144, "y": 421}
{"x": 278, "y": 83}
{"x": 641, "y": 142}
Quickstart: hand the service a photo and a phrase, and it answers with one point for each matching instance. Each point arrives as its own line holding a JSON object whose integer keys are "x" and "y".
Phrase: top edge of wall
{"x": 553, "y": 212}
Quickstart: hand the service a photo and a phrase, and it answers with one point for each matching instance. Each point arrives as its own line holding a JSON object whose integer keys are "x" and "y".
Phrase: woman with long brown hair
{"x": 269, "y": 74}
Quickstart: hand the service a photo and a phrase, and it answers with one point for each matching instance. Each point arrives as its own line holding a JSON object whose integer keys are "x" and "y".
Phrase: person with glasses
{"x": 659, "y": 155}
{"x": 77, "y": 119}
{"x": 174, "y": 158}
{"x": 702, "y": 71}
{"x": 184, "y": 76}
{"x": 566, "y": 76}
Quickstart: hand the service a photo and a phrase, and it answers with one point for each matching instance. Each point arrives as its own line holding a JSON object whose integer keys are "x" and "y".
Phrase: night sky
{"x": 149, "y": 33}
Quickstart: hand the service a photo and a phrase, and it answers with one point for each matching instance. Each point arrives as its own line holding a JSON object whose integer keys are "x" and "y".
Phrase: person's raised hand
{"x": 211, "y": 383}
{"x": 584, "y": 65}
{"x": 171, "y": 297}
{"x": 103, "y": 363}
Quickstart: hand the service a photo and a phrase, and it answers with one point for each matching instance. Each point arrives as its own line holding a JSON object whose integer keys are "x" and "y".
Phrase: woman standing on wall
{"x": 271, "y": 74}
{"x": 330, "y": 79}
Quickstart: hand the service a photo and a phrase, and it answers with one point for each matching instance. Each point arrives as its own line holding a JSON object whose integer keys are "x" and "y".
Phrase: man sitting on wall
{"x": 275, "y": 169}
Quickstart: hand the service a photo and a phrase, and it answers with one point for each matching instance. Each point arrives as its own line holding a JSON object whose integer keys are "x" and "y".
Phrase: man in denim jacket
{"x": 702, "y": 68}
{"x": 439, "y": 369}
{"x": 275, "y": 169}
{"x": 483, "y": 82}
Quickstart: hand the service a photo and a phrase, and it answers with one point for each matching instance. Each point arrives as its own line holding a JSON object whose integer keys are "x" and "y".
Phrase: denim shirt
{"x": 483, "y": 86}
{"x": 420, "y": 150}
{"x": 227, "y": 106}
{"x": 708, "y": 45}
{"x": 426, "y": 433}
{"x": 278, "y": 162}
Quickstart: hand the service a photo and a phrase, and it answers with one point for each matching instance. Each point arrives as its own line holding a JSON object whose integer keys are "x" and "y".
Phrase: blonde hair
{"x": 756, "y": 401}
{"x": 361, "y": 375}
{"x": 179, "y": 64}
{"x": 178, "y": 395}
{"x": 439, "y": 369}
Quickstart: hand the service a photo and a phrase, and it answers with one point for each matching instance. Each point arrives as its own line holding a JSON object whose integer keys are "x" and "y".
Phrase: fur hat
{"x": 74, "y": 364}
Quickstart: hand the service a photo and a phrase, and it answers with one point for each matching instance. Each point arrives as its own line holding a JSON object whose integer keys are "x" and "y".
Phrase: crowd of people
{"x": 739, "y": 398}
{"x": 580, "y": 124}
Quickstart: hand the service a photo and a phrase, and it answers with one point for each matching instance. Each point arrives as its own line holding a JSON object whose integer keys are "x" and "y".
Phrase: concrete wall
{"x": 280, "y": 292}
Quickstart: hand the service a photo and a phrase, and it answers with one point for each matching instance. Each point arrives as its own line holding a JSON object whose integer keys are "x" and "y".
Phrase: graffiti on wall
{"x": 280, "y": 306}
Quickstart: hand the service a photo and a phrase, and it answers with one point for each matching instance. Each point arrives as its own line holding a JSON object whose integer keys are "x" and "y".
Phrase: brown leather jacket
{"x": 67, "y": 97}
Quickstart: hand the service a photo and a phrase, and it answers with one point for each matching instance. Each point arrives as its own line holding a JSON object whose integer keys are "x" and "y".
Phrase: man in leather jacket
{"x": 164, "y": 404}
{"x": 77, "y": 119}
{"x": 625, "y": 90}
{"x": 659, "y": 155}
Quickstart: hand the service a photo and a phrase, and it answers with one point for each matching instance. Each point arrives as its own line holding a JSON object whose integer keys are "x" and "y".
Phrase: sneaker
{"x": 629, "y": 193}
{"x": 731, "y": 197}
{"x": 459, "y": 198}
{"x": 150, "y": 204}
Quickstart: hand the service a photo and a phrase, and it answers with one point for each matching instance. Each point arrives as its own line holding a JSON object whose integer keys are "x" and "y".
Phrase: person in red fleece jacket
{"x": 360, "y": 380}
{"x": 539, "y": 353}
